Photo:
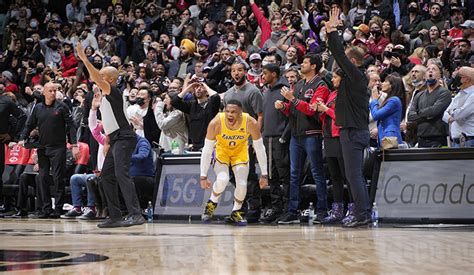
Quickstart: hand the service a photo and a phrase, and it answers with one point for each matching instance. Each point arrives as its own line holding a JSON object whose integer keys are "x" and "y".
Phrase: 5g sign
{"x": 182, "y": 190}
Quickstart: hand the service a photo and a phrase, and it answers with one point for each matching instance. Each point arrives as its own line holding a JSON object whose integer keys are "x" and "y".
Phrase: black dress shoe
{"x": 20, "y": 214}
{"x": 109, "y": 223}
{"x": 133, "y": 220}
{"x": 8, "y": 214}
{"x": 357, "y": 222}
{"x": 34, "y": 215}
{"x": 44, "y": 214}
{"x": 55, "y": 214}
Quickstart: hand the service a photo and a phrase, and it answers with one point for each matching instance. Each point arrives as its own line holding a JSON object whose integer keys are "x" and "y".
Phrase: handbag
{"x": 389, "y": 143}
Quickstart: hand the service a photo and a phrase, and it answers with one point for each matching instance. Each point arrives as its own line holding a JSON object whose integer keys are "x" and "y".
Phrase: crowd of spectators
{"x": 178, "y": 62}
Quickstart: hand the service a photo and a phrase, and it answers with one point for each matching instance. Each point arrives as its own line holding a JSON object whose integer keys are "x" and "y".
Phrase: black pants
{"x": 353, "y": 142}
{"x": 33, "y": 180}
{"x": 144, "y": 187}
{"x": 278, "y": 172}
{"x": 115, "y": 174}
{"x": 338, "y": 178}
{"x": 430, "y": 142}
{"x": 253, "y": 187}
{"x": 2, "y": 168}
{"x": 54, "y": 158}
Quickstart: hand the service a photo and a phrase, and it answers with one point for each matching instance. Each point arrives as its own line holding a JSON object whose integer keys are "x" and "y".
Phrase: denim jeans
{"x": 79, "y": 181}
{"x": 300, "y": 147}
{"x": 467, "y": 144}
{"x": 353, "y": 142}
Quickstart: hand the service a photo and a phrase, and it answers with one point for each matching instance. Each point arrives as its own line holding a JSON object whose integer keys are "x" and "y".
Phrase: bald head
{"x": 109, "y": 74}
{"x": 49, "y": 92}
{"x": 467, "y": 77}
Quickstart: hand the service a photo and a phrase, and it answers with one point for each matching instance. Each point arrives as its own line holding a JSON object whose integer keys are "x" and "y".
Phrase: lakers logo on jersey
{"x": 232, "y": 145}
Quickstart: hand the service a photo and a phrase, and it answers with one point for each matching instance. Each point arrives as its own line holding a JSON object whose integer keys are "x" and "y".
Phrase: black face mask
{"x": 376, "y": 33}
{"x": 413, "y": 9}
{"x": 115, "y": 65}
{"x": 455, "y": 83}
{"x": 67, "y": 52}
{"x": 241, "y": 28}
{"x": 39, "y": 70}
{"x": 87, "y": 21}
{"x": 140, "y": 101}
{"x": 98, "y": 65}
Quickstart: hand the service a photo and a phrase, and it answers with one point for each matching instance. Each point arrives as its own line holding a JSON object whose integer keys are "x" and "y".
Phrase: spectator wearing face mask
{"x": 255, "y": 73}
{"x": 376, "y": 42}
{"x": 68, "y": 60}
{"x": 172, "y": 124}
{"x": 50, "y": 49}
{"x": 427, "y": 110}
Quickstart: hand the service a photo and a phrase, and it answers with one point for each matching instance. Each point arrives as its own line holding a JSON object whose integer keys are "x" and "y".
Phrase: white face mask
{"x": 347, "y": 36}
{"x": 264, "y": 63}
{"x": 322, "y": 36}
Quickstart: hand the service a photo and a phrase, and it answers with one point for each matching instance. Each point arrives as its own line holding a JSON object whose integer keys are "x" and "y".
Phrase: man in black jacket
{"x": 274, "y": 124}
{"x": 54, "y": 121}
{"x": 306, "y": 136}
{"x": 201, "y": 110}
{"x": 352, "y": 115}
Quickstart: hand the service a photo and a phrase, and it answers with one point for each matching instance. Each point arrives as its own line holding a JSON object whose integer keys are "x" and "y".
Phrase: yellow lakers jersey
{"x": 232, "y": 145}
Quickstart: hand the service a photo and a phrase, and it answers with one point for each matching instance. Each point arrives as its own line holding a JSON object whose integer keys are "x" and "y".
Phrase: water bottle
{"x": 375, "y": 215}
{"x": 149, "y": 212}
{"x": 174, "y": 147}
{"x": 310, "y": 213}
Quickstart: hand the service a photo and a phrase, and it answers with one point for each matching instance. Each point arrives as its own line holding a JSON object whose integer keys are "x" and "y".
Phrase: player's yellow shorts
{"x": 231, "y": 158}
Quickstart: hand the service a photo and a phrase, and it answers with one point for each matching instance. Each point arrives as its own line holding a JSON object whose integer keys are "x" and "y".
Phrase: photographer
{"x": 398, "y": 62}
{"x": 201, "y": 110}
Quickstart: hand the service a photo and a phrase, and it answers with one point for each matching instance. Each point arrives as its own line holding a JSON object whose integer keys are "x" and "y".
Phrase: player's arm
{"x": 206, "y": 154}
{"x": 93, "y": 72}
{"x": 254, "y": 130}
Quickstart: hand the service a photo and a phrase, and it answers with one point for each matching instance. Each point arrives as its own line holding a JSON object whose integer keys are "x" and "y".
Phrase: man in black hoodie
{"x": 352, "y": 115}
{"x": 274, "y": 124}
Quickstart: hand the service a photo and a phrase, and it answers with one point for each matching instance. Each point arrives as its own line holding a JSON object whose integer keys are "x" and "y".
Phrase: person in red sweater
{"x": 266, "y": 27}
{"x": 68, "y": 60}
{"x": 376, "y": 42}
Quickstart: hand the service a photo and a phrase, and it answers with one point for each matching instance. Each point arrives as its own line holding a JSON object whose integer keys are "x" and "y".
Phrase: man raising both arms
{"x": 229, "y": 132}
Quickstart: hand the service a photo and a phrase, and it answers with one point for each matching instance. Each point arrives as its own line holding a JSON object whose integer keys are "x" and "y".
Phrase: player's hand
{"x": 205, "y": 183}
{"x": 263, "y": 181}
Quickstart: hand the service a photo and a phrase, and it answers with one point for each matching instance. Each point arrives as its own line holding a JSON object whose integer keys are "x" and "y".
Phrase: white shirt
{"x": 461, "y": 110}
{"x": 135, "y": 110}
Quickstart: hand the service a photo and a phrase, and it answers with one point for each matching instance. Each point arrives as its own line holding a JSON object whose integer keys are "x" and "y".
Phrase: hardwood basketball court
{"x": 79, "y": 247}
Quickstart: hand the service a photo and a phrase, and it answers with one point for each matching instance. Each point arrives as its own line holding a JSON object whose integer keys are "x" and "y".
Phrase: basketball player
{"x": 229, "y": 132}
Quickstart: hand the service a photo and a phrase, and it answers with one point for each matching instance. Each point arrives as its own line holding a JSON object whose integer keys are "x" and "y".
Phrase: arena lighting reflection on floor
{"x": 17, "y": 260}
